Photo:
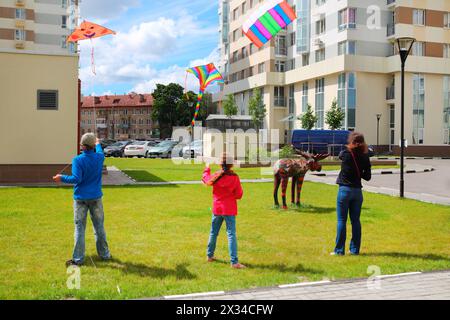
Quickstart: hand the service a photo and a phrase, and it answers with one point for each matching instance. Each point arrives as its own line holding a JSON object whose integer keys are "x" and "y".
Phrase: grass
{"x": 161, "y": 170}
{"x": 158, "y": 236}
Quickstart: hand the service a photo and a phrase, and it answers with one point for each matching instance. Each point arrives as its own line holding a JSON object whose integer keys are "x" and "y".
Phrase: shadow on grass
{"x": 280, "y": 267}
{"x": 143, "y": 176}
{"x": 306, "y": 208}
{"x": 180, "y": 271}
{"x": 402, "y": 255}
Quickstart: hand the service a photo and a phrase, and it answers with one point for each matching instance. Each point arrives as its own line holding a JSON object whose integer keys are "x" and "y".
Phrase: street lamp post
{"x": 378, "y": 132}
{"x": 404, "y": 48}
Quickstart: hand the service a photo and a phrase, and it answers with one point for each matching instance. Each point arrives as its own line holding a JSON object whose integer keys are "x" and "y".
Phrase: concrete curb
{"x": 376, "y": 172}
{"x": 324, "y": 282}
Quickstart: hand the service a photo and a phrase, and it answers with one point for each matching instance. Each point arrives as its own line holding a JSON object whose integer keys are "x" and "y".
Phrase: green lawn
{"x": 160, "y": 170}
{"x": 158, "y": 236}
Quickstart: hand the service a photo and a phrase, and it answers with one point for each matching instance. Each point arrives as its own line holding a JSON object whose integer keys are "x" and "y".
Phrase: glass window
{"x": 20, "y": 14}
{"x": 418, "y": 49}
{"x": 320, "y": 102}
{"x": 446, "y": 109}
{"x": 419, "y": 17}
{"x": 447, "y": 20}
{"x": 320, "y": 55}
{"x": 418, "y": 108}
{"x": 20, "y": 35}
{"x": 447, "y": 51}
{"x": 305, "y": 88}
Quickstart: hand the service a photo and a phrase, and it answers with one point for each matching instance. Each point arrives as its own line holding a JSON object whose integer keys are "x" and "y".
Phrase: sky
{"x": 156, "y": 41}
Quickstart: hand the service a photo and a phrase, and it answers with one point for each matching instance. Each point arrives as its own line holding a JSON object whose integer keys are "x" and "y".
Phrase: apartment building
{"x": 39, "y": 89}
{"x": 118, "y": 117}
{"x": 345, "y": 50}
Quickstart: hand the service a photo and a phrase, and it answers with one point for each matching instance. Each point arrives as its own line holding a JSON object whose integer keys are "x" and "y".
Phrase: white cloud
{"x": 129, "y": 57}
{"x": 104, "y": 10}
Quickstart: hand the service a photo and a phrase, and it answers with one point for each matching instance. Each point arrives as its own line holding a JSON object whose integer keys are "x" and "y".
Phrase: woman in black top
{"x": 355, "y": 166}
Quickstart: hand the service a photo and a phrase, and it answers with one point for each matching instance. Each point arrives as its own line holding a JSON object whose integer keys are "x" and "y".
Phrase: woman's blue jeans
{"x": 231, "y": 232}
{"x": 349, "y": 203}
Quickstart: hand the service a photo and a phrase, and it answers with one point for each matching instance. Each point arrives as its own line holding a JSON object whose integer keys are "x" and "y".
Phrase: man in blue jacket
{"x": 87, "y": 177}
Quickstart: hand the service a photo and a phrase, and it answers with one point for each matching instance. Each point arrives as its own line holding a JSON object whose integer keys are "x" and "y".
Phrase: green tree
{"x": 258, "y": 112}
{"x": 308, "y": 119}
{"x": 335, "y": 116}
{"x": 230, "y": 107}
{"x": 171, "y": 107}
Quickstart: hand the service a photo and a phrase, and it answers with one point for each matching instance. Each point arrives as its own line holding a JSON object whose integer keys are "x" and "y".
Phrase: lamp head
{"x": 404, "y": 47}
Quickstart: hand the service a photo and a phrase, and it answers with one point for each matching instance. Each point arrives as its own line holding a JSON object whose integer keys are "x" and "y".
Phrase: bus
{"x": 320, "y": 141}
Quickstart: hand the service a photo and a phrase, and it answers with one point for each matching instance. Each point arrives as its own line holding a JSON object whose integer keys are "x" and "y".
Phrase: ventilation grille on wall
{"x": 47, "y": 99}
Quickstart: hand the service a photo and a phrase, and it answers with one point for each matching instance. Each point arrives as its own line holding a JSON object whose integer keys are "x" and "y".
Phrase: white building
{"x": 344, "y": 50}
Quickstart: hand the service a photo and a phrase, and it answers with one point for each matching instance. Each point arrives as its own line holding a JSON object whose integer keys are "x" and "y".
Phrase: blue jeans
{"x": 95, "y": 208}
{"x": 231, "y": 232}
{"x": 349, "y": 202}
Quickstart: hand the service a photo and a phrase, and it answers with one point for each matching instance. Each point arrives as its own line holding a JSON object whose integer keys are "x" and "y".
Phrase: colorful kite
{"x": 268, "y": 20}
{"x": 207, "y": 75}
{"x": 88, "y": 31}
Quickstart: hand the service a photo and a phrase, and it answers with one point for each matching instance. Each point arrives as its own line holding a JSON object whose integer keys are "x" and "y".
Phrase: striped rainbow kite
{"x": 207, "y": 74}
{"x": 268, "y": 20}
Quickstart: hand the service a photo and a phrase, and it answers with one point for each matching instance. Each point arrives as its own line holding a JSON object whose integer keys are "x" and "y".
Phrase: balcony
{"x": 390, "y": 93}
{"x": 20, "y": 3}
{"x": 20, "y": 44}
{"x": 280, "y": 102}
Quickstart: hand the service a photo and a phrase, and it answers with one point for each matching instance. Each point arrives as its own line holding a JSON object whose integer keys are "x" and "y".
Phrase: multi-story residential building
{"x": 345, "y": 50}
{"x": 118, "y": 117}
{"x": 39, "y": 89}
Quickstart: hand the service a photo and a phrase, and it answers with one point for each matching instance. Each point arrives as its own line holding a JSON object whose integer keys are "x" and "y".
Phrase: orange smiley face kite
{"x": 88, "y": 30}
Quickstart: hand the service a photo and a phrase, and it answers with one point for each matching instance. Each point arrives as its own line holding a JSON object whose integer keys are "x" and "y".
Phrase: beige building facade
{"x": 344, "y": 50}
{"x": 39, "y": 92}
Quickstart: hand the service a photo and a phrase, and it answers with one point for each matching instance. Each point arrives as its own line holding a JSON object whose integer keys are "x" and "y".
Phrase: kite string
{"x": 92, "y": 57}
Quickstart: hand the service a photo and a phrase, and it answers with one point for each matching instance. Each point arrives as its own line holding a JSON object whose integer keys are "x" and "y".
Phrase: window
{"x": 305, "y": 59}
{"x": 280, "y": 46}
{"x": 320, "y": 27}
{"x": 447, "y": 109}
{"x": 64, "y": 42}
{"x": 418, "y": 49}
{"x": 20, "y": 14}
{"x": 280, "y": 66}
{"x": 347, "y": 47}
{"x": 244, "y": 52}
{"x": 419, "y": 17}
{"x": 347, "y": 19}
{"x": 291, "y": 101}
{"x": 320, "y": 102}
{"x": 252, "y": 48}
{"x": 261, "y": 67}
{"x": 305, "y": 97}
{"x": 64, "y": 4}
{"x": 290, "y": 65}
{"x": 447, "y": 20}
{"x": 346, "y": 98}
{"x": 392, "y": 124}
{"x": 418, "y": 108}
{"x": 320, "y": 2}
{"x": 320, "y": 55}
{"x": 447, "y": 51}
{"x": 303, "y": 26}
{"x": 47, "y": 99}
{"x": 280, "y": 100}
{"x": 19, "y": 35}
{"x": 64, "y": 22}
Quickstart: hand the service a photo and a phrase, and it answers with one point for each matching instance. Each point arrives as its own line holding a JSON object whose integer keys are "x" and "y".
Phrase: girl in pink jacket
{"x": 227, "y": 190}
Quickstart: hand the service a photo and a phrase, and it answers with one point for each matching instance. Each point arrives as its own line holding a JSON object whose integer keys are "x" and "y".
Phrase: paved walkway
{"x": 413, "y": 286}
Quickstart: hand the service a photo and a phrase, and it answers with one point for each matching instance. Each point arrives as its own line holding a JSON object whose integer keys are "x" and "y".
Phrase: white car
{"x": 138, "y": 149}
{"x": 194, "y": 149}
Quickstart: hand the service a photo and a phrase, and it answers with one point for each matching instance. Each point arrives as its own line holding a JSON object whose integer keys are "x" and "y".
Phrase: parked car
{"x": 193, "y": 150}
{"x": 162, "y": 150}
{"x": 117, "y": 149}
{"x": 107, "y": 142}
{"x": 138, "y": 149}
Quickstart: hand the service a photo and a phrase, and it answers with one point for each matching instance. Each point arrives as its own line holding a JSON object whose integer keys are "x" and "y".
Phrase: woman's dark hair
{"x": 357, "y": 143}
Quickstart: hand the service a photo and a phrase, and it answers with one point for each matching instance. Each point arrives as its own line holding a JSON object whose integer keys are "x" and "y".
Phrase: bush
{"x": 287, "y": 152}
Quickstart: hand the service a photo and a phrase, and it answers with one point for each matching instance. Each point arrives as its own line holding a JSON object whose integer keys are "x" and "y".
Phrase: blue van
{"x": 320, "y": 141}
